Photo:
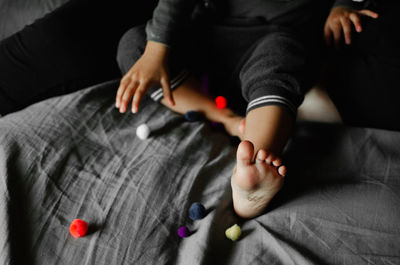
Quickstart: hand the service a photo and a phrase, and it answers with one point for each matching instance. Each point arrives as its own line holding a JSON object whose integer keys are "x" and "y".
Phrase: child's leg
{"x": 272, "y": 83}
{"x": 274, "y": 80}
{"x": 186, "y": 88}
{"x": 188, "y": 97}
{"x": 259, "y": 172}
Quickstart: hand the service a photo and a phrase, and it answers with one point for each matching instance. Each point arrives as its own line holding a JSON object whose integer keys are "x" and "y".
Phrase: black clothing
{"x": 71, "y": 48}
{"x": 363, "y": 77}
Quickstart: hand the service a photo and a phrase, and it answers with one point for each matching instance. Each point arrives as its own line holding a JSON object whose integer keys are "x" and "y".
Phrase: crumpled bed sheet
{"x": 76, "y": 156}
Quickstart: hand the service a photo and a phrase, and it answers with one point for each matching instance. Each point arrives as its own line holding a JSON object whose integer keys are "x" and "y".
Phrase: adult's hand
{"x": 151, "y": 69}
{"x": 340, "y": 20}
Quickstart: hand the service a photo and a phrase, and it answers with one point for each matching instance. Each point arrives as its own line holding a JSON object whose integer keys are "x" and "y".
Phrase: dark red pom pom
{"x": 78, "y": 228}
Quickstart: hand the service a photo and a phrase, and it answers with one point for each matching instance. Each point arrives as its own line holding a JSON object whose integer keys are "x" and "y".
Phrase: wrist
{"x": 156, "y": 48}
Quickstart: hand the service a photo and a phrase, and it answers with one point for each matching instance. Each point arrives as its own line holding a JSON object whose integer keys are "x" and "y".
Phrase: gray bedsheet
{"x": 76, "y": 157}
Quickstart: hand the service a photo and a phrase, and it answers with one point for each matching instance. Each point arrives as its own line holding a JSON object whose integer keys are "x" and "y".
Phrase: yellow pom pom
{"x": 233, "y": 232}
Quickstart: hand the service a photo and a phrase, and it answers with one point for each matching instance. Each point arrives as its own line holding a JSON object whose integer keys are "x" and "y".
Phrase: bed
{"x": 76, "y": 156}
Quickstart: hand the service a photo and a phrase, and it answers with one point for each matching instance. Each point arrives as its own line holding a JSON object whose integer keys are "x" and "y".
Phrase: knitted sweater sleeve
{"x": 169, "y": 20}
{"x": 355, "y": 4}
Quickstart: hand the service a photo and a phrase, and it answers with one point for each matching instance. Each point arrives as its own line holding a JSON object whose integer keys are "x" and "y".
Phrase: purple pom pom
{"x": 183, "y": 231}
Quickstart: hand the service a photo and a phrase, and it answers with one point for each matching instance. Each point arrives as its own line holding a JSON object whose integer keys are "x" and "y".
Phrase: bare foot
{"x": 235, "y": 126}
{"x": 254, "y": 184}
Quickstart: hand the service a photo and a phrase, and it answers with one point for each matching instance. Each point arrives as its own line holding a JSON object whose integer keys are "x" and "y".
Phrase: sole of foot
{"x": 255, "y": 183}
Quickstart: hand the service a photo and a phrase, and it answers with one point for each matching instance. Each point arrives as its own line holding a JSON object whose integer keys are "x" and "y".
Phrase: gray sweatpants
{"x": 250, "y": 61}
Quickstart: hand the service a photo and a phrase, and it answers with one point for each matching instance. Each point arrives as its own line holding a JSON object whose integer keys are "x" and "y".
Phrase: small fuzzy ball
{"x": 143, "y": 131}
{"x": 78, "y": 228}
{"x": 192, "y": 116}
{"x": 197, "y": 211}
{"x": 221, "y": 102}
{"x": 233, "y": 232}
{"x": 183, "y": 231}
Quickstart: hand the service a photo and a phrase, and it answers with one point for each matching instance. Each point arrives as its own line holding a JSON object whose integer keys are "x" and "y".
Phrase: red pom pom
{"x": 78, "y": 228}
{"x": 221, "y": 102}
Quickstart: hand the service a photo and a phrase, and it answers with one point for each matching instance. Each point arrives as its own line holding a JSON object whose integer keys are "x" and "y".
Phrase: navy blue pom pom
{"x": 192, "y": 116}
{"x": 197, "y": 211}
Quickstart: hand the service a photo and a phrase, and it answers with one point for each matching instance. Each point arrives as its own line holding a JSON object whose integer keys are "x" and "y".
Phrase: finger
{"x": 368, "y": 13}
{"x": 142, "y": 88}
{"x": 327, "y": 35}
{"x": 337, "y": 34}
{"x": 121, "y": 89}
{"x": 356, "y": 21}
{"x": 127, "y": 96}
{"x": 167, "y": 90}
{"x": 346, "y": 27}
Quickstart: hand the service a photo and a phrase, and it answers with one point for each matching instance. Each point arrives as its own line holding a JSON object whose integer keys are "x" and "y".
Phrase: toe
{"x": 270, "y": 158}
{"x": 277, "y": 162}
{"x": 261, "y": 155}
{"x": 282, "y": 170}
{"x": 245, "y": 153}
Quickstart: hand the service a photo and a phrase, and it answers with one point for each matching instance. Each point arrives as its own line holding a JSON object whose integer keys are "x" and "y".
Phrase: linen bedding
{"x": 76, "y": 156}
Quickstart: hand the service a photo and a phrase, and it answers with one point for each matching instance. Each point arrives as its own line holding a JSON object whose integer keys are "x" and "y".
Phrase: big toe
{"x": 245, "y": 153}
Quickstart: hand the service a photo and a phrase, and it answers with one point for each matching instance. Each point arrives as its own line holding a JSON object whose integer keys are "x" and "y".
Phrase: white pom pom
{"x": 143, "y": 131}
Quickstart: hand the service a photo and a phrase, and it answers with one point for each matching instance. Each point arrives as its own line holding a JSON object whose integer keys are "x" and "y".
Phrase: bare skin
{"x": 255, "y": 183}
{"x": 187, "y": 97}
{"x": 152, "y": 69}
{"x": 339, "y": 22}
{"x": 259, "y": 172}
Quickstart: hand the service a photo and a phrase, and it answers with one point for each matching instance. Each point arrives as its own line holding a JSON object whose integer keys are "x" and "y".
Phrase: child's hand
{"x": 151, "y": 69}
{"x": 340, "y": 19}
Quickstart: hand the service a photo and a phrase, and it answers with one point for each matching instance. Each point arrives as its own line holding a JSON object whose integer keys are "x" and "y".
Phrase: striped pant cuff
{"x": 157, "y": 95}
{"x": 271, "y": 100}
